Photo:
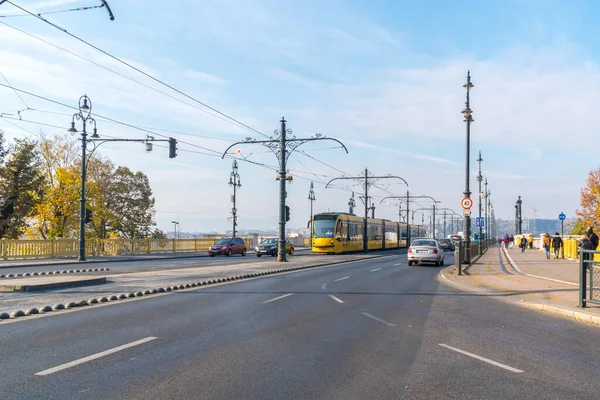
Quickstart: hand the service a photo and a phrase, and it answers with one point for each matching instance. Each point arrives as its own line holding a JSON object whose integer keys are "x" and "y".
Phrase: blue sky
{"x": 384, "y": 77}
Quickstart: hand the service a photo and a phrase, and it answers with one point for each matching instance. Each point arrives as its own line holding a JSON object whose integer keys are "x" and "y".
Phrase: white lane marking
{"x": 487, "y": 360}
{"x": 395, "y": 265}
{"x": 341, "y": 279}
{"x": 378, "y": 319}
{"x": 376, "y": 269}
{"x": 324, "y": 286}
{"x": 93, "y": 357}
{"x": 278, "y": 298}
{"x": 336, "y": 299}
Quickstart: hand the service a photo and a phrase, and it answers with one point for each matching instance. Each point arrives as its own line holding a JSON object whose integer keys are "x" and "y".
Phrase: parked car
{"x": 228, "y": 247}
{"x": 269, "y": 246}
{"x": 446, "y": 244}
{"x": 425, "y": 250}
{"x": 456, "y": 239}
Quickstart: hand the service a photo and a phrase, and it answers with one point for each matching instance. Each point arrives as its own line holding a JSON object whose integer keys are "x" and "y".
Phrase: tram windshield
{"x": 323, "y": 228}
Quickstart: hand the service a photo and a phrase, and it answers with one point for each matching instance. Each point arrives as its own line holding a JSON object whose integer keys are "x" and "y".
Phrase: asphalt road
{"x": 154, "y": 264}
{"x": 373, "y": 329}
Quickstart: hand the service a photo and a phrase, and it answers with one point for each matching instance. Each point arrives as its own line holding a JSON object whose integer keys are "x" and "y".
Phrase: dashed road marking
{"x": 487, "y": 360}
{"x": 93, "y": 357}
{"x": 341, "y": 279}
{"x": 376, "y": 269}
{"x": 377, "y": 319}
{"x": 336, "y": 299}
{"x": 395, "y": 265}
{"x": 278, "y": 298}
{"x": 324, "y": 286}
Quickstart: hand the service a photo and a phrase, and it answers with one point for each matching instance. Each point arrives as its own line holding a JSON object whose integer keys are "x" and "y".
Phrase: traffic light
{"x": 88, "y": 215}
{"x": 287, "y": 213}
{"x": 172, "y": 148}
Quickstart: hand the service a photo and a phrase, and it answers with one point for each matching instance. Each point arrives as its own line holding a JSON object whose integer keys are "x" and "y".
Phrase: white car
{"x": 425, "y": 250}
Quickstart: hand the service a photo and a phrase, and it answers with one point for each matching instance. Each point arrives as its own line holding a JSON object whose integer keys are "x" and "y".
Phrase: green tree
{"x": 21, "y": 185}
{"x": 158, "y": 234}
{"x": 133, "y": 204}
{"x": 100, "y": 197}
{"x": 589, "y": 213}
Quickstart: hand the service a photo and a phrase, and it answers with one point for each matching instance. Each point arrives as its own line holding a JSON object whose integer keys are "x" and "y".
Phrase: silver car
{"x": 425, "y": 250}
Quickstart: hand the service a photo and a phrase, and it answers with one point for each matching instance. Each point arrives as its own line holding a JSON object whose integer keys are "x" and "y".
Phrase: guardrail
{"x": 477, "y": 250}
{"x": 589, "y": 265}
{"x": 15, "y": 249}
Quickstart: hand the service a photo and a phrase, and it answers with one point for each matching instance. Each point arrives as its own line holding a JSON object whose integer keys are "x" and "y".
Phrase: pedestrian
{"x": 547, "y": 244}
{"x": 523, "y": 243}
{"x": 506, "y": 241}
{"x": 511, "y": 243}
{"x": 557, "y": 243}
{"x": 593, "y": 238}
{"x": 530, "y": 241}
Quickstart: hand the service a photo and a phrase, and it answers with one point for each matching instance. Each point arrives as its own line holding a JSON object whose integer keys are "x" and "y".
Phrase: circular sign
{"x": 466, "y": 203}
{"x": 562, "y": 216}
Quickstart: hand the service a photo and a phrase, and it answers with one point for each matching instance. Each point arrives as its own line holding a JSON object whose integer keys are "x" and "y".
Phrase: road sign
{"x": 562, "y": 216}
{"x": 480, "y": 221}
{"x": 467, "y": 212}
{"x": 466, "y": 203}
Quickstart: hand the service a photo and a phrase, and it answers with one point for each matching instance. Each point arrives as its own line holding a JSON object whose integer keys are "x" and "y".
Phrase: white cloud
{"x": 204, "y": 77}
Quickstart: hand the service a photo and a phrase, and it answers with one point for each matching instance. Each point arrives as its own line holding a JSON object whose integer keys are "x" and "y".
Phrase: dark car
{"x": 228, "y": 246}
{"x": 269, "y": 246}
{"x": 446, "y": 244}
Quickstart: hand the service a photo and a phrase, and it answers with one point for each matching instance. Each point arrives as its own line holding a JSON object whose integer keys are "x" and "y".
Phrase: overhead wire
{"x": 53, "y": 12}
{"x": 138, "y": 70}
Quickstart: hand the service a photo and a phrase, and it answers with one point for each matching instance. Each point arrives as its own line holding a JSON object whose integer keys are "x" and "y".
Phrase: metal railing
{"x": 477, "y": 250}
{"x": 588, "y": 265}
{"x": 21, "y": 249}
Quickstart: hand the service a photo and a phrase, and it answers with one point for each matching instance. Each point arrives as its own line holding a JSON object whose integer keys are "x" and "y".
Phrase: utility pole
{"x": 408, "y": 197}
{"x": 368, "y": 181}
{"x": 518, "y": 219}
{"x": 372, "y": 208}
{"x": 433, "y": 220}
{"x": 85, "y": 116}
{"x": 479, "y": 195}
{"x": 445, "y": 235}
{"x": 234, "y": 180}
{"x": 311, "y": 198}
{"x": 351, "y": 204}
{"x": 283, "y": 147}
{"x": 467, "y": 112}
{"x": 486, "y": 218}
{"x": 175, "y": 223}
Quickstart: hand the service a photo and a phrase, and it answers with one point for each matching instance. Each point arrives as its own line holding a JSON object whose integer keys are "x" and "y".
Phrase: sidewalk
{"x": 492, "y": 275}
{"x": 534, "y": 262}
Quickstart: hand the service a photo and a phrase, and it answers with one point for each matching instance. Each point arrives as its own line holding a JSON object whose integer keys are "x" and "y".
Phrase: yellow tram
{"x": 336, "y": 233}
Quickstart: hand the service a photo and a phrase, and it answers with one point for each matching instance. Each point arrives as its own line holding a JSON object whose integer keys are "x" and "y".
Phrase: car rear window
{"x": 430, "y": 243}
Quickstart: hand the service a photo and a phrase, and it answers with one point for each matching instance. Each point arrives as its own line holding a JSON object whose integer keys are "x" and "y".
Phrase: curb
{"x": 57, "y": 272}
{"x": 514, "y": 266}
{"x": 564, "y": 312}
{"x": 163, "y": 290}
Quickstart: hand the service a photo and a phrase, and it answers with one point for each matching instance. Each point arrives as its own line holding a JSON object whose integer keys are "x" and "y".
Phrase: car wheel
{"x": 259, "y": 255}
{"x": 243, "y": 252}
{"x": 212, "y": 255}
{"x": 410, "y": 263}
{"x": 228, "y": 254}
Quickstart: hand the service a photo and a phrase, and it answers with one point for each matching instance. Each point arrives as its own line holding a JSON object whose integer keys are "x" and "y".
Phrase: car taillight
{"x": 409, "y": 250}
{"x": 434, "y": 251}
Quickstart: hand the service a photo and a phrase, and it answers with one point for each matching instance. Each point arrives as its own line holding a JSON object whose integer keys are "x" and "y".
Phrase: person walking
{"x": 506, "y": 240}
{"x": 530, "y": 241}
{"x": 547, "y": 244}
{"x": 593, "y": 238}
{"x": 557, "y": 243}
{"x": 523, "y": 243}
{"x": 511, "y": 242}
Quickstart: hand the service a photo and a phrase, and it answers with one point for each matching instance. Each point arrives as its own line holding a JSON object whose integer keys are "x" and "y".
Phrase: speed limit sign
{"x": 466, "y": 203}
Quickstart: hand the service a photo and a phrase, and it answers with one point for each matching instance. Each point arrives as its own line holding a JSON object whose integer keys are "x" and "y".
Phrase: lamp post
{"x": 518, "y": 220}
{"x": 480, "y": 195}
{"x": 84, "y": 115}
{"x": 234, "y": 180}
{"x": 351, "y": 204}
{"x": 175, "y": 235}
{"x": 311, "y": 198}
{"x": 468, "y": 118}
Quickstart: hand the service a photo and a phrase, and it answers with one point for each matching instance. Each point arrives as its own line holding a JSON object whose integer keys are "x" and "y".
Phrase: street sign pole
{"x": 562, "y": 218}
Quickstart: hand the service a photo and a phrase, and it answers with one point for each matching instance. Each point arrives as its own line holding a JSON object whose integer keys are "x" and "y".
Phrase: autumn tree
{"x": 21, "y": 185}
{"x": 133, "y": 204}
{"x": 589, "y": 213}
